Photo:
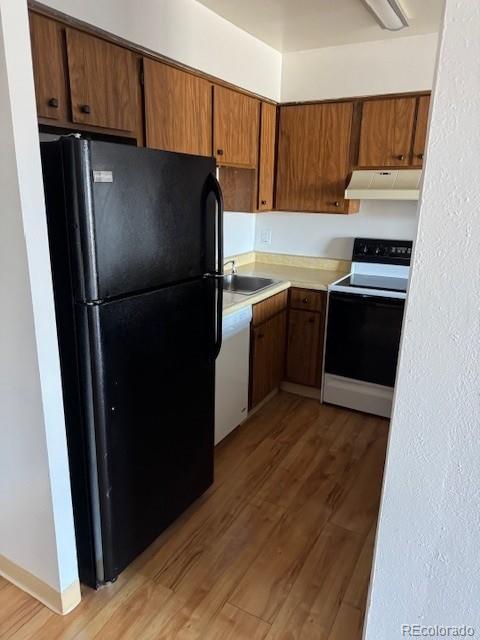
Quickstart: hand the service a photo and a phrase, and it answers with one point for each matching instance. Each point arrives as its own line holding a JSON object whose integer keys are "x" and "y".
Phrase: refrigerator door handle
{"x": 217, "y": 191}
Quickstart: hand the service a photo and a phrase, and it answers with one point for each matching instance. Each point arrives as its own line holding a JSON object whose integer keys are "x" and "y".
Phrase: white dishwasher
{"x": 232, "y": 372}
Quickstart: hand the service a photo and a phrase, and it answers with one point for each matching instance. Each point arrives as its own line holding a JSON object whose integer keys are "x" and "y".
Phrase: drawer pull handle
{"x": 401, "y": 157}
{"x": 85, "y": 108}
{"x": 305, "y": 300}
{"x": 53, "y": 102}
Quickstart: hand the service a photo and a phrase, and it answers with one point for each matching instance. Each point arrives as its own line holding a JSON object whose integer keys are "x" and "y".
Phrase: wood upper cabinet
{"x": 103, "y": 82}
{"x": 266, "y": 167}
{"x": 420, "y": 131}
{"x": 386, "y": 132}
{"x": 267, "y": 357}
{"x": 305, "y": 337}
{"x": 235, "y": 127}
{"x": 314, "y": 158}
{"x": 49, "y": 67}
{"x": 178, "y": 110}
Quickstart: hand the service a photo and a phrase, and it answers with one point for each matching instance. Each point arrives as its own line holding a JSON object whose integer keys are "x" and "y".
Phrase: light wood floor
{"x": 280, "y": 548}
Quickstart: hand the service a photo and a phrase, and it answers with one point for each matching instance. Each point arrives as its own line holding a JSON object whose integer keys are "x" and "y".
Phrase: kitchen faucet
{"x": 234, "y": 266}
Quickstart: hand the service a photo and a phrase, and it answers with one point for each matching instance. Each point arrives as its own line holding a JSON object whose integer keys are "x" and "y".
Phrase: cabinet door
{"x": 178, "y": 110}
{"x": 386, "y": 132}
{"x": 49, "y": 67}
{"x": 103, "y": 82}
{"x": 236, "y": 128}
{"x": 305, "y": 347}
{"x": 314, "y": 157}
{"x": 420, "y": 131}
{"x": 268, "y": 124}
{"x": 268, "y": 357}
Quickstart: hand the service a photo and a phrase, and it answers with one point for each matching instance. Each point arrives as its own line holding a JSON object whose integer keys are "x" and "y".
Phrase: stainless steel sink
{"x": 247, "y": 285}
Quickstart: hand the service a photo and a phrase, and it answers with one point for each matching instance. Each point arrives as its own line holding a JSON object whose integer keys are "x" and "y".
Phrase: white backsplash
{"x": 323, "y": 235}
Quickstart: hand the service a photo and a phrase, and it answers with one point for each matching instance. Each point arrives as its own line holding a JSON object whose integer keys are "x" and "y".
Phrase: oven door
{"x": 363, "y": 337}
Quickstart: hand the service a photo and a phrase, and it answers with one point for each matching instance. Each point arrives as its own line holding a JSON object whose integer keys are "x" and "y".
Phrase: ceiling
{"x": 295, "y": 25}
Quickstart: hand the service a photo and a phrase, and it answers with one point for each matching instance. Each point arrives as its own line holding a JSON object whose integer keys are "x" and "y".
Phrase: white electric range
{"x": 364, "y": 325}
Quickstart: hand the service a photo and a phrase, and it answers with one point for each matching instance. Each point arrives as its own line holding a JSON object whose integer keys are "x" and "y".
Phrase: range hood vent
{"x": 384, "y": 184}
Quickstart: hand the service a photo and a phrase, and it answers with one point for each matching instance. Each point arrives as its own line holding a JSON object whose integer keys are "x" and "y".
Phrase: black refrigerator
{"x": 136, "y": 248}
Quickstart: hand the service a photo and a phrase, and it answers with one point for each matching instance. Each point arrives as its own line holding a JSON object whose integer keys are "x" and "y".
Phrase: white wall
{"x": 36, "y": 522}
{"x": 188, "y": 32}
{"x": 238, "y": 233}
{"x": 331, "y": 236}
{"x": 361, "y": 69}
{"x": 427, "y": 561}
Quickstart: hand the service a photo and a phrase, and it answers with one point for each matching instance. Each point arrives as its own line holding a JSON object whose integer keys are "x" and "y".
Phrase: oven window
{"x": 363, "y": 337}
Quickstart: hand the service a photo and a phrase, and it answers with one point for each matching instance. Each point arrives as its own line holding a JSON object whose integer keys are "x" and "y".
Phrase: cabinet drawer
{"x": 307, "y": 299}
{"x": 264, "y": 310}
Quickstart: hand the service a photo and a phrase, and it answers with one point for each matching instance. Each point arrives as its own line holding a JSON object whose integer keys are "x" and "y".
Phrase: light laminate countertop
{"x": 286, "y": 276}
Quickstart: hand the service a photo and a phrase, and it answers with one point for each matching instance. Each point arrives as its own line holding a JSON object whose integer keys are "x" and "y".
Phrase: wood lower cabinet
{"x": 314, "y": 158}
{"x": 386, "y": 132}
{"x": 266, "y": 164}
{"x": 178, "y": 110}
{"x": 103, "y": 82}
{"x": 268, "y": 356}
{"x": 305, "y": 338}
{"x": 421, "y": 125}
{"x": 267, "y": 346}
{"x": 236, "y": 119}
{"x": 49, "y": 67}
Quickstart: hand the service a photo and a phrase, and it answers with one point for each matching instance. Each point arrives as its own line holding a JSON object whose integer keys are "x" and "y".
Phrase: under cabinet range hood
{"x": 384, "y": 184}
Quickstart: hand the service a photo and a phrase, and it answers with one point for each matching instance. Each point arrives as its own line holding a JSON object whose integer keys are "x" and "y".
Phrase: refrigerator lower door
{"x": 152, "y": 394}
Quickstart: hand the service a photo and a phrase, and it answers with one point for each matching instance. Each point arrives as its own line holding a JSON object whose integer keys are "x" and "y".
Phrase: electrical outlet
{"x": 266, "y": 236}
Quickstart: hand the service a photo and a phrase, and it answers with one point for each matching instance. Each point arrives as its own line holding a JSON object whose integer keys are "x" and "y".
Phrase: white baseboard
{"x": 59, "y": 601}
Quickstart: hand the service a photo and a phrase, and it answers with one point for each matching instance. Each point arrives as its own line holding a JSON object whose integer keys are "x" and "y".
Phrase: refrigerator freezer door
{"x": 146, "y": 218}
{"x": 153, "y": 395}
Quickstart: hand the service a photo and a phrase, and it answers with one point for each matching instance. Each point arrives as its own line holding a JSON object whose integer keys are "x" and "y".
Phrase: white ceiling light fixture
{"x": 388, "y": 13}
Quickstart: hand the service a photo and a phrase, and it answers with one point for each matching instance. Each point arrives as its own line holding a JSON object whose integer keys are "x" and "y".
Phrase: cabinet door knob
{"x": 85, "y": 108}
{"x": 305, "y": 300}
{"x": 337, "y": 203}
{"x": 219, "y": 152}
{"x": 53, "y": 102}
{"x": 420, "y": 155}
{"x": 401, "y": 157}
{"x": 264, "y": 202}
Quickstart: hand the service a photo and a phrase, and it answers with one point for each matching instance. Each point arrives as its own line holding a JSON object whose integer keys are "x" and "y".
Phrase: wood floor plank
{"x": 129, "y": 621}
{"x": 175, "y": 557}
{"x": 95, "y": 605}
{"x": 357, "y": 591}
{"x": 313, "y": 604}
{"x": 18, "y": 609}
{"x": 233, "y": 624}
{"x": 260, "y": 555}
{"x": 348, "y": 624}
{"x": 358, "y": 508}
{"x": 232, "y": 452}
{"x": 270, "y": 578}
{"x": 309, "y": 501}
{"x": 208, "y": 585}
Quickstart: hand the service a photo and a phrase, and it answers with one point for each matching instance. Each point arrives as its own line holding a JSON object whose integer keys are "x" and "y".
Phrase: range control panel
{"x": 382, "y": 251}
